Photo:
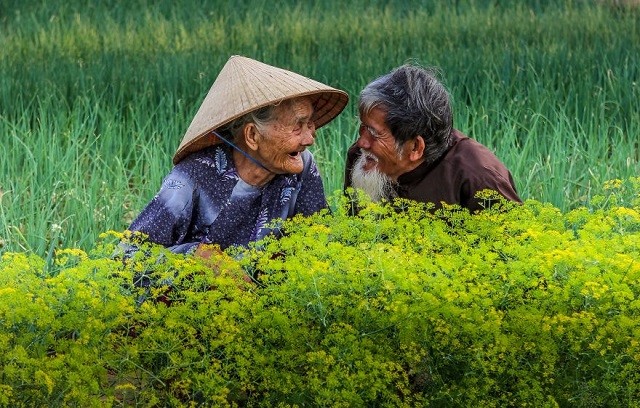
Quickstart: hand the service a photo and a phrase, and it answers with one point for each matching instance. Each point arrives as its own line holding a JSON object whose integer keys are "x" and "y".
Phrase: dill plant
{"x": 397, "y": 306}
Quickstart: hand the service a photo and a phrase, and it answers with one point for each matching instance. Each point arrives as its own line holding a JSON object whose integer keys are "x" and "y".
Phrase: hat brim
{"x": 234, "y": 94}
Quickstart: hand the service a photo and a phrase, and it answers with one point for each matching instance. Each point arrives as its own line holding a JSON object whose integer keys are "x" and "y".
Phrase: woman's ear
{"x": 417, "y": 148}
{"x": 251, "y": 136}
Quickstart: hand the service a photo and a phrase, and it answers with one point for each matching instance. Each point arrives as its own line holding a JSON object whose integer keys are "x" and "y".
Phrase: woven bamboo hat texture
{"x": 244, "y": 85}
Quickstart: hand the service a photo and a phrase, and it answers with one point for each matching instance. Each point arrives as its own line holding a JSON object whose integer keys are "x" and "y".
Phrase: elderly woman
{"x": 243, "y": 161}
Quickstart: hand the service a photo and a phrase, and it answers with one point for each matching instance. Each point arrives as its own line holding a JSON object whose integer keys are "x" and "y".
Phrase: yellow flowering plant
{"x": 396, "y": 305}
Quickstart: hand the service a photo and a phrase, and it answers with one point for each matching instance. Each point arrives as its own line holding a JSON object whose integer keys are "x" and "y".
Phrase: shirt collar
{"x": 414, "y": 176}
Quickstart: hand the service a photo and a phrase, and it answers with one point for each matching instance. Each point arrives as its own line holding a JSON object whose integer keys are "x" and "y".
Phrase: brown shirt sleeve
{"x": 352, "y": 155}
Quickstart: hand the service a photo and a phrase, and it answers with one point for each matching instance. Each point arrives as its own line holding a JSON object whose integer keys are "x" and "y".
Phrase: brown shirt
{"x": 465, "y": 169}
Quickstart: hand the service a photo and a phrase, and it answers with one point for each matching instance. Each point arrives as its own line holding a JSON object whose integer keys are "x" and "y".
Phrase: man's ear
{"x": 251, "y": 136}
{"x": 417, "y": 148}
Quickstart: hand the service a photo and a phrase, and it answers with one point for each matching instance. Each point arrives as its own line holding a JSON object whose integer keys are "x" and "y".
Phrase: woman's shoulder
{"x": 213, "y": 159}
{"x": 309, "y": 163}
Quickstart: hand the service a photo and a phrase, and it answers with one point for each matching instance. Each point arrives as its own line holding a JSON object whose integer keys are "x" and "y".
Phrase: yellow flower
{"x": 613, "y": 184}
{"x": 43, "y": 378}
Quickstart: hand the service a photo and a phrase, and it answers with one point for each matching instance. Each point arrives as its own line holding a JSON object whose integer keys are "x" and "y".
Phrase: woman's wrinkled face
{"x": 284, "y": 139}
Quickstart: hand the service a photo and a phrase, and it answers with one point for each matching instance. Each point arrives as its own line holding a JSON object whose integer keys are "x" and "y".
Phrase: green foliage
{"x": 399, "y": 305}
{"x": 95, "y": 96}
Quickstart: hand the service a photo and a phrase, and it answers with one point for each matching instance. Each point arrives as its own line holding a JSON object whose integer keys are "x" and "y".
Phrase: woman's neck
{"x": 250, "y": 172}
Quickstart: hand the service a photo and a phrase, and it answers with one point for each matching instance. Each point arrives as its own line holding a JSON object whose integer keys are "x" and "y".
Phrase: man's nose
{"x": 363, "y": 141}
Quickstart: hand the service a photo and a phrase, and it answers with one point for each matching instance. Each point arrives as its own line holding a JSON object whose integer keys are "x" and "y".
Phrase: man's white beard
{"x": 373, "y": 182}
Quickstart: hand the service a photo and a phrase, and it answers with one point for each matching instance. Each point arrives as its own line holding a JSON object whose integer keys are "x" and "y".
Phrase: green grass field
{"x": 95, "y": 98}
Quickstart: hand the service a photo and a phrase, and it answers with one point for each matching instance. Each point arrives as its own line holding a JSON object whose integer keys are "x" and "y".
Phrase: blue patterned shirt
{"x": 203, "y": 200}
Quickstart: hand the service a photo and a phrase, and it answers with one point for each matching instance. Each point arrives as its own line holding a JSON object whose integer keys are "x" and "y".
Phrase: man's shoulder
{"x": 467, "y": 149}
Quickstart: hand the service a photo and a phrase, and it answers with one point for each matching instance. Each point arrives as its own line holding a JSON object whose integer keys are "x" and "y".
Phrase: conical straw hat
{"x": 244, "y": 85}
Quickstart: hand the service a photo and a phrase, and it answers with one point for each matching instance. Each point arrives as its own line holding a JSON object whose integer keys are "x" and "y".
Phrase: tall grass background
{"x": 95, "y": 96}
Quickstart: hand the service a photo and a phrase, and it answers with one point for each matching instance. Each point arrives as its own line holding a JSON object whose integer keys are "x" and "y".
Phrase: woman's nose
{"x": 309, "y": 137}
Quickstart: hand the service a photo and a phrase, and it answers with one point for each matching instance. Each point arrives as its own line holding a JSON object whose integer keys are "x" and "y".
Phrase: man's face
{"x": 379, "y": 146}
{"x": 284, "y": 139}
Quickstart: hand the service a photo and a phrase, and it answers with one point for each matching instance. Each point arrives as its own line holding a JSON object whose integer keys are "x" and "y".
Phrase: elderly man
{"x": 408, "y": 147}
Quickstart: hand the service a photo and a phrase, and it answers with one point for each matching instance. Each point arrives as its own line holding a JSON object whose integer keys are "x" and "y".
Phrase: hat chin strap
{"x": 241, "y": 151}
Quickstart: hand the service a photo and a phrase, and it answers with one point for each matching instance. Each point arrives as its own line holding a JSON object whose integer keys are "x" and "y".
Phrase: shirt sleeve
{"x": 496, "y": 178}
{"x": 352, "y": 155}
{"x": 311, "y": 197}
{"x": 471, "y": 167}
{"x": 166, "y": 219}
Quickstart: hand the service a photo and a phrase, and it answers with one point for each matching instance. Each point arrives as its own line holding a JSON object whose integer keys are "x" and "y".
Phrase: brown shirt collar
{"x": 417, "y": 174}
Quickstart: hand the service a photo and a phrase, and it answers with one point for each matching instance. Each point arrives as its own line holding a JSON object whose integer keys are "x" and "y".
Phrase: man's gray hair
{"x": 416, "y": 103}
